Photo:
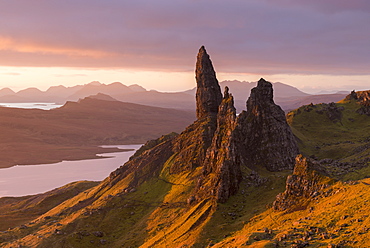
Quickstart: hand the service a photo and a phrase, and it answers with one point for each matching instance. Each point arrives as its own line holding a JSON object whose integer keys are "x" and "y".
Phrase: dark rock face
{"x": 222, "y": 165}
{"x": 208, "y": 95}
{"x": 192, "y": 144}
{"x": 148, "y": 161}
{"x": 308, "y": 181}
{"x": 265, "y": 137}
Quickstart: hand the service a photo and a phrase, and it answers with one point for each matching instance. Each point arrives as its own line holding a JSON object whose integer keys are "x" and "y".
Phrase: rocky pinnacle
{"x": 208, "y": 95}
{"x": 266, "y": 137}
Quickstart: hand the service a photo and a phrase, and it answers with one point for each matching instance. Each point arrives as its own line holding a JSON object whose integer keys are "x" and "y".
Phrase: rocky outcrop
{"x": 360, "y": 96}
{"x": 332, "y": 111}
{"x": 222, "y": 164}
{"x": 363, "y": 98}
{"x": 208, "y": 96}
{"x": 218, "y": 143}
{"x": 192, "y": 144}
{"x": 265, "y": 136}
{"x": 221, "y": 143}
{"x": 307, "y": 181}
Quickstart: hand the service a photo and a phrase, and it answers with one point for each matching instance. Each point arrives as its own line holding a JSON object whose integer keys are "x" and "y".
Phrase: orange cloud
{"x": 9, "y": 44}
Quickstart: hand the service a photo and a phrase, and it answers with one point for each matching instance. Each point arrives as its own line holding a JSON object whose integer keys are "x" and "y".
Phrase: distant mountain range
{"x": 288, "y": 97}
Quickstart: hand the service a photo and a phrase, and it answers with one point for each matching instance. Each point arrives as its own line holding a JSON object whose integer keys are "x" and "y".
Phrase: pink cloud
{"x": 270, "y": 36}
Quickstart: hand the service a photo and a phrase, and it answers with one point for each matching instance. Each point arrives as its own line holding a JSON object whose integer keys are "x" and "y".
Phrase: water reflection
{"x": 34, "y": 179}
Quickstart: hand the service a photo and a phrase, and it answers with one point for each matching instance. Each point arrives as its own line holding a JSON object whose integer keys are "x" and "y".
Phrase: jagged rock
{"x": 192, "y": 144}
{"x": 222, "y": 163}
{"x": 307, "y": 181}
{"x": 265, "y": 137}
{"x": 208, "y": 96}
{"x": 218, "y": 141}
{"x": 361, "y": 96}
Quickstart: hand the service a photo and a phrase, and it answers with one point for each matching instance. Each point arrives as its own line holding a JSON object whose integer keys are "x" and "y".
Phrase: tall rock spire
{"x": 265, "y": 135}
{"x": 209, "y": 94}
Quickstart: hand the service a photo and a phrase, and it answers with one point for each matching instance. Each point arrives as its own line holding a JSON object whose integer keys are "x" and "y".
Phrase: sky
{"x": 313, "y": 45}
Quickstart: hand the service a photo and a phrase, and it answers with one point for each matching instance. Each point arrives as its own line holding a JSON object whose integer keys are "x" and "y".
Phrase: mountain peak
{"x": 208, "y": 94}
{"x": 95, "y": 83}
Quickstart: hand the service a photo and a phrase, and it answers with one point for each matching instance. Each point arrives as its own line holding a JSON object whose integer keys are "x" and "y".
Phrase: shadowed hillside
{"x": 32, "y": 136}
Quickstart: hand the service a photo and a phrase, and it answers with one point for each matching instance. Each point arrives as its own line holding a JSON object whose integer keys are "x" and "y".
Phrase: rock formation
{"x": 363, "y": 98}
{"x": 222, "y": 164}
{"x": 308, "y": 181}
{"x": 219, "y": 143}
{"x": 265, "y": 137}
{"x": 208, "y": 96}
{"x": 193, "y": 143}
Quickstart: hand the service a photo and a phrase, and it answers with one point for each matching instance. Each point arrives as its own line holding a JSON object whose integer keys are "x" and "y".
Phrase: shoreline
{"x": 24, "y": 180}
{"x": 14, "y": 155}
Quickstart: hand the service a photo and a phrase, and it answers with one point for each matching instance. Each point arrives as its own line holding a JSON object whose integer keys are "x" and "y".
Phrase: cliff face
{"x": 265, "y": 137}
{"x": 222, "y": 163}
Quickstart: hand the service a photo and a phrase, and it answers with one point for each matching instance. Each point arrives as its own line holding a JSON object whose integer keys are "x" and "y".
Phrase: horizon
{"x": 322, "y": 91}
{"x": 313, "y": 46}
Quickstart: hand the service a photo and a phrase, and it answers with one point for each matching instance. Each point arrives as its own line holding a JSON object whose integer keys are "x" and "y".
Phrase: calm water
{"x": 34, "y": 179}
{"x": 31, "y": 105}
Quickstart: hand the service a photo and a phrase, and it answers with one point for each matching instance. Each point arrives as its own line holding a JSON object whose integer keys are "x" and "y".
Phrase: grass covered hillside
{"x": 338, "y": 134}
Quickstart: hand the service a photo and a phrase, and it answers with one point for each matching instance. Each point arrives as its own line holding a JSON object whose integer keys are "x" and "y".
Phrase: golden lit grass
{"x": 343, "y": 216}
{"x": 15, "y": 211}
{"x": 240, "y": 208}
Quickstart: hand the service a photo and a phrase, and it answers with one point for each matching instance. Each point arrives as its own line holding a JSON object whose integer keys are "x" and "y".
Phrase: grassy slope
{"x": 338, "y": 217}
{"x": 16, "y": 211}
{"x": 346, "y": 140}
{"x": 155, "y": 215}
{"x": 323, "y": 138}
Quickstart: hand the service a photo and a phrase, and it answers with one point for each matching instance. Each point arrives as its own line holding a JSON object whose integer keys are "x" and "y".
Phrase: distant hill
{"x": 288, "y": 97}
{"x": 290, "y": 103}
{"x": 73, "y": 131}
{"x": 6, "y": 91}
